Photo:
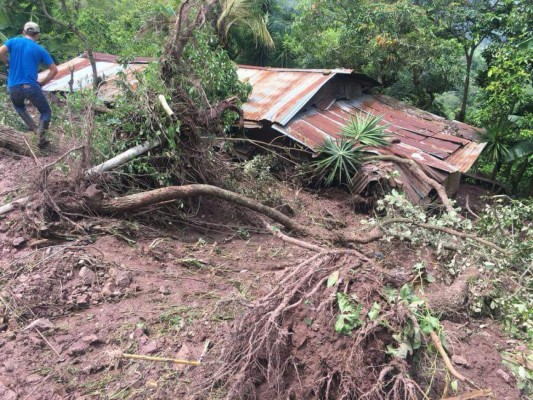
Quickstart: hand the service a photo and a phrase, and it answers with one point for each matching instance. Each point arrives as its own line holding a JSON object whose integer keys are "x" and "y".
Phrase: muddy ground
{"x": 166, "y": 289}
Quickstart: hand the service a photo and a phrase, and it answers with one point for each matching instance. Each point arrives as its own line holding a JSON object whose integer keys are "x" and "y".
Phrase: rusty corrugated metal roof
{"x": 107, "y": 67}
{"x": 279, "y": 93}
{"x": 418, "y": 138}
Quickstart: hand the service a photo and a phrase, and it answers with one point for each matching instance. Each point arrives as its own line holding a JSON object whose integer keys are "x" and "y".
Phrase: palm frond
{"x": 244, "y": 13}
{"x": 340, "y": 160}
{"x": 366, "y": 131}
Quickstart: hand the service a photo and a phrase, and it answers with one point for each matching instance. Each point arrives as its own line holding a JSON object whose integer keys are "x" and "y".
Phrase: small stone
{"x": 9, "y": 367}
{"x": 185, "y": 353}
{"x": 504, "y": 375}
{"x": 33, "y": 378}
{"x": 90, "y": 339}
{"x": 123, "y": 279}
{"x": 77, "y": 348}
{"x": 459, "y": 360}
{"x": 87, "y": 370}
{"x": 41, "y": 323}
{"x": 88, "y": 277}
{"x": 164, "y": 290}
{"x": 108, "y": 289}
{"x": 19, "y": 242}
{"x": 151, "y": 347}
{"x": 83, "y": 299}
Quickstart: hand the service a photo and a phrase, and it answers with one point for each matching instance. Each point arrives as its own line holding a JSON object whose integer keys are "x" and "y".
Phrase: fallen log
{"x": 19, "y": 142}
{"x": 133, "y": 202}
{"x": 7, "y": 208}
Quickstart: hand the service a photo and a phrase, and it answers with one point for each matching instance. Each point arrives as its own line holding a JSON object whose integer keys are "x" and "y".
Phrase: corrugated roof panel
{"x": 465, "y": 157}
{"x": 107, "y": 68}
{"x": 278, "y": 95}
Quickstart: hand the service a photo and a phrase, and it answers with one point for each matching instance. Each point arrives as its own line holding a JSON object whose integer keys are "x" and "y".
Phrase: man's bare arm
{"x": 4, "y": 51}
{"x": 52, "y": 71}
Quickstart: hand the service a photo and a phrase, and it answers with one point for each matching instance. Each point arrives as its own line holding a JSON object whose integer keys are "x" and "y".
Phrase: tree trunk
{"x": 469, "y": 57}
{"x": 518, "y": 176}
{"x": 494, "y": 174}
{"x": 18, "y": 142}
{"x": 120, "y": 205}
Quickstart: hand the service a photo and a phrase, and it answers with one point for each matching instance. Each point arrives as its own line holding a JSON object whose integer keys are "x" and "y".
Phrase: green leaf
{"x": 454, "y": 385}
{"x": 333, "y": 278}
{"x": 374, "y": 311}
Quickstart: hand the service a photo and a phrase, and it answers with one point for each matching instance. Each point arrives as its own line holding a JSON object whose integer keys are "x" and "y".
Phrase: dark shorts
{"x": 35, "y": 95}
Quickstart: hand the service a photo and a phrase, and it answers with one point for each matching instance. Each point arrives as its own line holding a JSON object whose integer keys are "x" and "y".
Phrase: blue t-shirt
{"x": 24, "y": 58}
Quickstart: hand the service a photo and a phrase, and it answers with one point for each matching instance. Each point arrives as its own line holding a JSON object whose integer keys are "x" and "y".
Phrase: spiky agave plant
{"x": 339, "y": 159}
{"x": 366, "y": 130}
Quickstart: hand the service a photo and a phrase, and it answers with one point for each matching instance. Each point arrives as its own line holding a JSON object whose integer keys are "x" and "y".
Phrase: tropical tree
{"x": 392, "y": 41}
{"x": 469, "y": 23}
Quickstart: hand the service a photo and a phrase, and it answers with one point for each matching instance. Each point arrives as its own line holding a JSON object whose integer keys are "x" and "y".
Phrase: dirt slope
{"x": 166, "y": 291}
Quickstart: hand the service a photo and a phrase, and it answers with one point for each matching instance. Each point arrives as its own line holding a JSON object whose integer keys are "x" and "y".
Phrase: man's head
{"x": 32, "y": 30}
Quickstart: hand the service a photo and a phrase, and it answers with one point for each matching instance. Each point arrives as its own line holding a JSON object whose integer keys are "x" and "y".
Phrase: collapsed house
{"x": 305, "y": 107}
{"x": 309, "y": 106}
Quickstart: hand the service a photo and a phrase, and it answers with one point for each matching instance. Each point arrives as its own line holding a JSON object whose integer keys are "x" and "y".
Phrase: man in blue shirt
{"x": 25, "y": 56}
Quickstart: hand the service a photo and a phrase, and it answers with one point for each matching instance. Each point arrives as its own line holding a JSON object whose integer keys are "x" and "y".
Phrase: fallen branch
{"x": 135, "y": 201}
{"x": 449, "y": 231}
{"x": 300, "y": 243}
{"x": 438, "y": 344}
{"x": 419, "y": 173}
{"x": 377, "y": 233}
{"x": 165, "y": 105}
{"x": 6, "y": 209}
{"x": 18, "y": 142}
{"x": 160, "y": 359}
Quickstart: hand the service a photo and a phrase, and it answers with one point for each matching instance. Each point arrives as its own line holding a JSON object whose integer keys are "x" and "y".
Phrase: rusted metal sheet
{"x": 465, "y": 157}
{"x": 312, "y": 127}
{"x": 279, "y": 93}
{"x": 107, "y": 67}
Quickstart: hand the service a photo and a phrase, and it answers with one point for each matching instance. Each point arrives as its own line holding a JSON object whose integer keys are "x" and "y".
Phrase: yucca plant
{"x": 366, "y": 131}
{"x": 340, "y": 159}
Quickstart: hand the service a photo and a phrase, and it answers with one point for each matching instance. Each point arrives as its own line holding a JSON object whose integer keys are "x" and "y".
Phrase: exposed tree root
{"x": 272, "y": 347}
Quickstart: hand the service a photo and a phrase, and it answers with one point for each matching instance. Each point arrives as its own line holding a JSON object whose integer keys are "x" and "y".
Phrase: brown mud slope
{"x": 175, "y": 289}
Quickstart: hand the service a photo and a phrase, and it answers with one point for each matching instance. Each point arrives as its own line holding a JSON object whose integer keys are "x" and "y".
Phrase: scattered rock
{"x": 164, "y": 290}
{"x": 77, "y": 348}
{"x": 41, "y": 324}
{"x": 185, "y": 353}
{"x": 108, "y": 289}
{"x": 9, "y": 366}
{"x": 87, "y": 370}
{"x": 33, "y": 378}
{"x": 151, "y": 347}
{"x": 83, "y": 299}
{"x": 123, "y": 279}
{"x": 19, "y": 242}
{"x": 459, "y": 360}
{"x": 87, "y": 276}
{"x": 90, "y": 339}
{"x": 504, "y": 375}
